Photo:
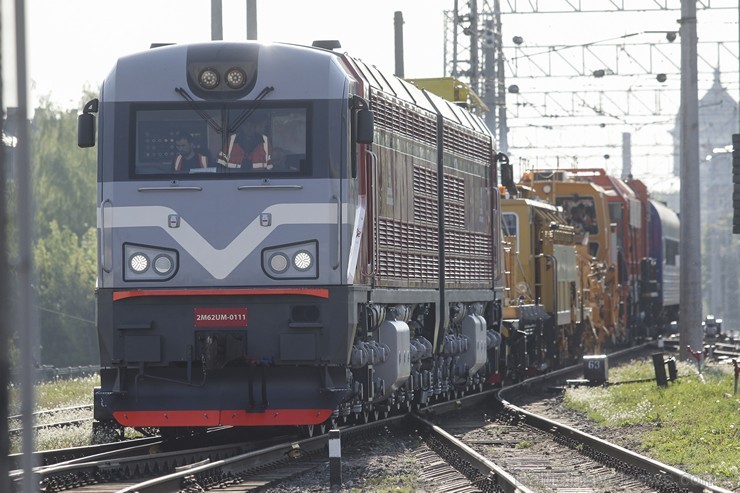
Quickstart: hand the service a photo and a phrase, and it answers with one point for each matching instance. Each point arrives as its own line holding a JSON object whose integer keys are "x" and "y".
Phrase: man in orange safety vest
{"x": 250, "y": 147}
{"x": 186, "y": 158}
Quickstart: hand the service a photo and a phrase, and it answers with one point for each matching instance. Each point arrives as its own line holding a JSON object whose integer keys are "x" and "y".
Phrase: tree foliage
{"x": 65, "y": 266}
{"x": 64, "y": 174}
{"x": 64, "y": 189}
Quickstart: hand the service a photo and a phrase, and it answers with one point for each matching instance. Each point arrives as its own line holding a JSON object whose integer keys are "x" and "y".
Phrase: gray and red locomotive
{"x": 323, "y": 286}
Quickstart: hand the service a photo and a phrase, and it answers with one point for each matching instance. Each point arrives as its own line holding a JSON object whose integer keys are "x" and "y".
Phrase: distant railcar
{"x": 661, "y": 268}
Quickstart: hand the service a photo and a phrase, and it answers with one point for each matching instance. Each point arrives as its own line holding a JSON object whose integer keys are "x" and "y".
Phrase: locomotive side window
{"x": 671, "y": 251}
{"x": 205, "y": 141}
{"x": 510, "y": 226}
{"x": 580, "y": 213}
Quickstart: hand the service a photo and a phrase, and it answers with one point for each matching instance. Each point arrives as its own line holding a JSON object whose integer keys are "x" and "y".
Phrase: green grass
{"x": 63, "y": 393}
{"x": 55, "y": 395}
{"x": 693, "y": 424}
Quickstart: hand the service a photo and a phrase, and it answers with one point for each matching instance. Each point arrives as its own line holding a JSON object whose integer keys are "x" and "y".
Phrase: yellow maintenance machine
{"x": 585, "y": 207}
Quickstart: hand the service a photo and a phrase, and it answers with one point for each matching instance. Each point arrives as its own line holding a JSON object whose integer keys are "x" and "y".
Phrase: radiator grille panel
{"x": 401, "y": 117}
{"x": 461, "y": 141}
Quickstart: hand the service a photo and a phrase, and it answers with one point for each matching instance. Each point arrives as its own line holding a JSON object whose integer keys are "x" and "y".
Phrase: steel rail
{"x": 481, "y": 472}
{"x": 240, "y": 465}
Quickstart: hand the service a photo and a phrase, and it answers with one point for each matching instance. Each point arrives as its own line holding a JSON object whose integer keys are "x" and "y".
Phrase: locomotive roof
{"x": 668, "y": 218}
{"x": 165, "y": 68}
{"x": 325, "y": 76}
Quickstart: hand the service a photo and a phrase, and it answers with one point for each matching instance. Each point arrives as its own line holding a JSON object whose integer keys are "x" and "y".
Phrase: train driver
{"x": 186, "y": 158}
{"x": 250, "y": 146}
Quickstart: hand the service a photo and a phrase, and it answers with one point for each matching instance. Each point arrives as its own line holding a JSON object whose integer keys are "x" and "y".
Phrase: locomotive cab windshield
{"x": 176, "y": 140}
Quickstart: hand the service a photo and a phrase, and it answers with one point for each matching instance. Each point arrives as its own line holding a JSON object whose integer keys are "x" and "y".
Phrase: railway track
{"x": 112, "y": 466}
{"x": 548, "y": 456}
{"x": 719, "y": 349}
{"x": 43, "y": 417}
{"x": 486, "y": 445}
{"x": 79, "y": 454}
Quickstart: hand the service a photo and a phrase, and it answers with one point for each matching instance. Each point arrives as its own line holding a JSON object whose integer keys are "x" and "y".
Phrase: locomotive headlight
{"x": 146, "y": 263}
{"x": 302, "y": 260}
{"x": 292, "y": 261}
{"x": 235, "y": 78}
{"x": 279, "y": 262}
{"x": 521, "y": 287}
{"x": 208, "y": 78}
{"x": 163, "y": 264}
{"x": 139, "y": 262}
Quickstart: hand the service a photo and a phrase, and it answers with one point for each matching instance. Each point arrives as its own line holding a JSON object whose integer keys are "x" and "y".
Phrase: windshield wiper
{"x": 208, "y": 118}
{"x": 249, "y": 111}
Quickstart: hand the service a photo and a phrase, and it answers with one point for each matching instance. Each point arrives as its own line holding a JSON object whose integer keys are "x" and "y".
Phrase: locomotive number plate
{"x": 220, "y": 317}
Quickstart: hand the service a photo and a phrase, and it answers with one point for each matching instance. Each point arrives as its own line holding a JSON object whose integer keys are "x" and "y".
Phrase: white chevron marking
{"x": 220, "y": 262}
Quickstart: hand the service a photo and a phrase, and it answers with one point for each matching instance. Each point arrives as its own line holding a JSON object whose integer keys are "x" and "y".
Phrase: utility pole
{"x": 472, "y": 31}
{"x": 499, "y": 84}
{"x": 626, "y": 155}
{"x": 474, "y": 52}
{"x": 398, "y": 29}
{"x": 252, "y": 19}
{"x": 217, "y": 24}
{"x": 24, "y": 319}
{"x": 690, "y": 244}
{"x": 4, "y": 322}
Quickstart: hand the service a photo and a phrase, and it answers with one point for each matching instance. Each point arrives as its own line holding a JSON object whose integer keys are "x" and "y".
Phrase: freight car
{"x": 350, "y": 271}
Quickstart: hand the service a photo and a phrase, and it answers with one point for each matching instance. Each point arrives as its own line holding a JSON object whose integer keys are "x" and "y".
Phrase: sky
{"x": 72, "y": 44}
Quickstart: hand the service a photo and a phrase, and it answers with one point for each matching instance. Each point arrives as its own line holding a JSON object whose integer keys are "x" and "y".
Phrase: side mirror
{"x": 365, "y": 126}
{"x": 507, "y": 173}
{"x": 86, "y": 125}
